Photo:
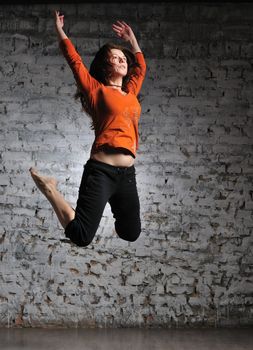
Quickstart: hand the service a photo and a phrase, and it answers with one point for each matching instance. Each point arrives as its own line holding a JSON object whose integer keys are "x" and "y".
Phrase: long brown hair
{"x": 100, "y": 69}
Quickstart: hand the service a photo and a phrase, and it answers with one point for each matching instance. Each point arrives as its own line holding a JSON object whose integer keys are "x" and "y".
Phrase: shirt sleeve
{"x": 138, "y": 75}
{"x": 81, "y": 74}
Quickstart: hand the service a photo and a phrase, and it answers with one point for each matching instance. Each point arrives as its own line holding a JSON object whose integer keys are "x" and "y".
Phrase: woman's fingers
{"x": 122, "y": 25}
{"x": 117, "y": 31}
{"x": 122, "y": 29}
{"x": 121, "y": 22}
{"x": 126, "y": 24}
{"x": 117, "y": 27}
{"x": 59, "y": 19}
{"x": 57, "y": 14}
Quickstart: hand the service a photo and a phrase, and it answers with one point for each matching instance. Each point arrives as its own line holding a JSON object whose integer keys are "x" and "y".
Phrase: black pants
{"x": 101, "y": 183}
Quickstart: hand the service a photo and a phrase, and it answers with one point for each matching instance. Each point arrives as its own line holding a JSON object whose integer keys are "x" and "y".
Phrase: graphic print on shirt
{"x": 131, "y": 114}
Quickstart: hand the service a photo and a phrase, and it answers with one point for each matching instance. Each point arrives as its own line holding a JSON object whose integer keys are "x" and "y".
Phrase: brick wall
{"x": 192, "y": 265}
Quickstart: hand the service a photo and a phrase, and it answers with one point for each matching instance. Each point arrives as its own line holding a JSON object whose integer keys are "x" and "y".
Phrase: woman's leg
{"x": 125, "y": 206}
{"x": 95, "y": 189}
{"x": 47, "y": 185}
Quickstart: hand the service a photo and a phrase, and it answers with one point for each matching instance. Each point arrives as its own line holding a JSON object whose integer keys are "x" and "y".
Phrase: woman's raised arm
{"x": 59, "y": 23}
{"x": 125, "y": 32}
{"x": 85, "y": 81}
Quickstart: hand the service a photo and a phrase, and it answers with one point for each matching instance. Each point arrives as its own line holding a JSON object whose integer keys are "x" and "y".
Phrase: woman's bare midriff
{"x": 119, "y": 159}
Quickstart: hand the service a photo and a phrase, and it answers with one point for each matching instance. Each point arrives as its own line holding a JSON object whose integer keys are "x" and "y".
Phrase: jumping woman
{"x": 108, "y": 93}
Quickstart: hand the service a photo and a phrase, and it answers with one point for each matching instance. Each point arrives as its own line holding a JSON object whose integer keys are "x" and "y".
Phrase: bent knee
{"x": 133, "y": 239}
{"x": 77, "y": 235}
{"x": 129, "y": 235}
{"x": 78, "y": 240}
{"x": 81, "y": 242}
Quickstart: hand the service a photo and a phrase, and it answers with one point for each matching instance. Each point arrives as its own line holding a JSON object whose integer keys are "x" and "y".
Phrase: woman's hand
{"x": 59, "y": 20}
{"x": 59, "y": 23}
{"x": 124, "y": 31}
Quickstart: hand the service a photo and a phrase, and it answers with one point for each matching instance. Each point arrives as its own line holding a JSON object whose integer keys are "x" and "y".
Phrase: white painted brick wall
{"x": 192, "y": 264}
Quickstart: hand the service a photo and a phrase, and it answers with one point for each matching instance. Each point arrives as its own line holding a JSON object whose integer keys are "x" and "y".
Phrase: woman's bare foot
{"x": 44, "y": 183}
{"x": 47, "y": 185}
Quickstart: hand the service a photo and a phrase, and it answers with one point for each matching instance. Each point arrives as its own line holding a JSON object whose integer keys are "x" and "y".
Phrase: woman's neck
{"x": 115, "y": 85}
{"x": 116, "y": 82}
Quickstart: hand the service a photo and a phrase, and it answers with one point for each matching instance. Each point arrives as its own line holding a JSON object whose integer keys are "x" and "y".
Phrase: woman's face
{"x": 119, "y": 62}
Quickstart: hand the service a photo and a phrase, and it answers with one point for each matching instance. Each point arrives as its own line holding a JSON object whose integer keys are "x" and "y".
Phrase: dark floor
{"x": 126, "y": 339}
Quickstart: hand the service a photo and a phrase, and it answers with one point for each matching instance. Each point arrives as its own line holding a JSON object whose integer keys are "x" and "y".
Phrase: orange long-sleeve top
{"x": 115, "y": 116}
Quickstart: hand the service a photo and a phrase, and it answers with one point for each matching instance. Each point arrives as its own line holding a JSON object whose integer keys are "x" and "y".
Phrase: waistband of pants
{"x": 112, "y": 168}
